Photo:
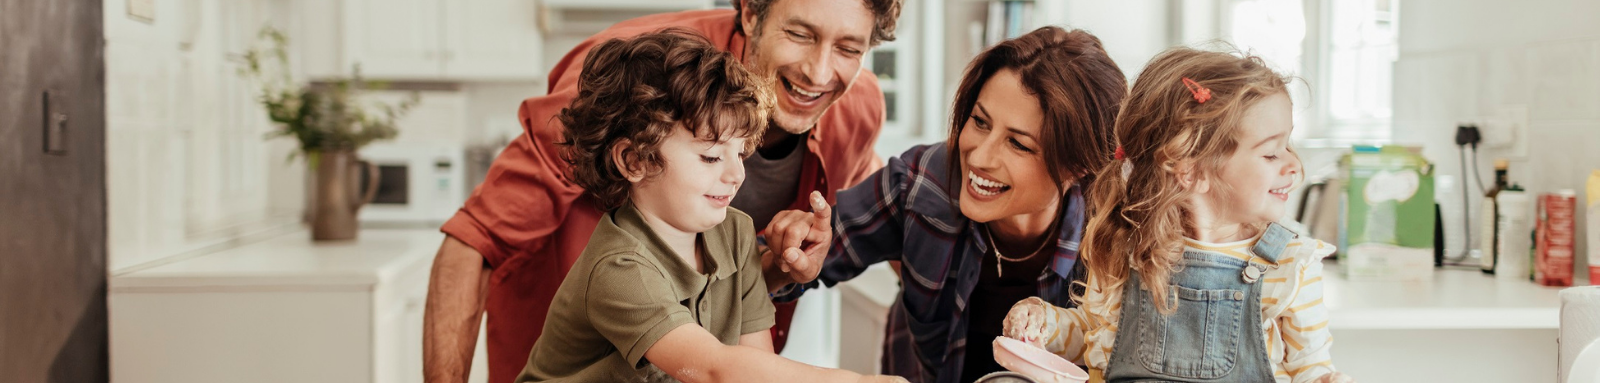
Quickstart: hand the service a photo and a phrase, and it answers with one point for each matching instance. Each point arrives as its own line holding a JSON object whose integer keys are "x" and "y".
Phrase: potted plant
{"x": 331, "y": 124}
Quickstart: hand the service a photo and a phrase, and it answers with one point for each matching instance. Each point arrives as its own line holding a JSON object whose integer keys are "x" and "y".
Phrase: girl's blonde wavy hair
{"x": 1164, "y": 131}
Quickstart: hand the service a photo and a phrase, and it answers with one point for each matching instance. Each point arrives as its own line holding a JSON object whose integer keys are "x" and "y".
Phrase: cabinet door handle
{"x": 55, "y": 123}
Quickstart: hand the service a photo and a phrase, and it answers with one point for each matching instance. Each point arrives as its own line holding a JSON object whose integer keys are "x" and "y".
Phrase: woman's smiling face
{"x": 1003, "y": 170}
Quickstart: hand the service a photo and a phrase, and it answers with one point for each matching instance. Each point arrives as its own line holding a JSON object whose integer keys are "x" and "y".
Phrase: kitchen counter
{"x": 294, "y": 260}
{"x": 1455, "y": 299}
{"x": 284, "y": 309}
{"x": 1464, "y": 326}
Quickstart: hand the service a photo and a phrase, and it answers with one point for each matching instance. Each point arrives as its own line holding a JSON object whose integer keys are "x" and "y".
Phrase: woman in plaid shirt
{"x": 989, "y": 217}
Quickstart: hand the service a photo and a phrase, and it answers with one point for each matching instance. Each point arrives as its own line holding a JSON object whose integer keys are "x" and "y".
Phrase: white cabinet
{"x": 443, "y": 39}
{"x": 864, "y": 314}
{"x": 394, "y": 38}
{"x": 492, "y": 39}
{"x": 586, "y": 17}
{"x": 1506, "y": 330}
{"x": 282, "y": 310}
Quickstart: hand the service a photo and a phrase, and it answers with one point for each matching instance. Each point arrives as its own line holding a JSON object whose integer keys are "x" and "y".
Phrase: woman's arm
{"x": 864, "y": 226}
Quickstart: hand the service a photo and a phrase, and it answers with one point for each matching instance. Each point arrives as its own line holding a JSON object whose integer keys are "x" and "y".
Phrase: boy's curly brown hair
{"x": 642, "y": 88}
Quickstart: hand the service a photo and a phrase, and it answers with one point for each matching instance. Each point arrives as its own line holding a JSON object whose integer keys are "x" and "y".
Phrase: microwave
{"x": 419, "y": 185}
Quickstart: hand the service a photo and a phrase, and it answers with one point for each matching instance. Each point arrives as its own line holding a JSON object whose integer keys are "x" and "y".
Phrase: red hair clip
{"x": 1119, "y": 154}
{"x": 1201, "y": 94}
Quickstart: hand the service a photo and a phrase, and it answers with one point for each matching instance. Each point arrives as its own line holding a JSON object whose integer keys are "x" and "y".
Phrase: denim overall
{"x": 1214, "y": 335}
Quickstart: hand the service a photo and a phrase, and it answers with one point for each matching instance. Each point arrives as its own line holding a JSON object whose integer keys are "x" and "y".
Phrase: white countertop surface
{"x": 1455, "y": 299}
{"x": 293, "y": 260}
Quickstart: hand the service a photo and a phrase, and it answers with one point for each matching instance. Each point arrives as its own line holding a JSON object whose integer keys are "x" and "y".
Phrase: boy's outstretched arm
{"x": 691, "y": 354}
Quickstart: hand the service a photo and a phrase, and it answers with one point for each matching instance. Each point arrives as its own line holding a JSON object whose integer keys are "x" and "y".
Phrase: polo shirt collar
{"x": 686, "y": 281}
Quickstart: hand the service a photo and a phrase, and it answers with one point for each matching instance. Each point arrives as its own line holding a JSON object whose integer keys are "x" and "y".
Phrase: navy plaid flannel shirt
{"x": 905, "y": 213}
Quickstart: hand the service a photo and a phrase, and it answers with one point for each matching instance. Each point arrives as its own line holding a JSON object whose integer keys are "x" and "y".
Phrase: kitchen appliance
{"x": 421, "y": 184}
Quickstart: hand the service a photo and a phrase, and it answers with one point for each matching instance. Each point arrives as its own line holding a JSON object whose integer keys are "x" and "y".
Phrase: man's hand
{"x": 797, "y": 244}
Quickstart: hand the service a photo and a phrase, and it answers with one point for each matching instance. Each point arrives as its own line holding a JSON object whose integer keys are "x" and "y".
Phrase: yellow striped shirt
{"x": 1294, "y": 319}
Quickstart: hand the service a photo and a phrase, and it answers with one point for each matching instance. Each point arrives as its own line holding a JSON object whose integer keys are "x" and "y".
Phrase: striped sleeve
{"x": 1064, "y": 332}
{"x": 1304, "y": 325}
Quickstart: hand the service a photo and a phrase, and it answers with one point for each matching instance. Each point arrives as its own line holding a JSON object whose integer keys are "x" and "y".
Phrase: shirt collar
{"x": 687, "y": 282}
{"x": 1068, "y": 237}
{"x": 737, "y": 42}
{"x": 1268, "y": 244}
{"x": 1071, "y": 233}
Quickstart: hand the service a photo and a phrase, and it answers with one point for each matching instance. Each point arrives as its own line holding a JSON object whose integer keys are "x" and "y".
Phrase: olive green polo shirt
{"x": 629, "y": 289}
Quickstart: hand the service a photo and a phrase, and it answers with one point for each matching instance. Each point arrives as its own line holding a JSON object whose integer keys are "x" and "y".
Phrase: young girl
{"x": 670, "y": 285}
{"x": 1189, "y": 278}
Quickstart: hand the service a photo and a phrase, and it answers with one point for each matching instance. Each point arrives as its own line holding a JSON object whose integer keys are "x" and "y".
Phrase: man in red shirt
{"x": 510, "y": 246}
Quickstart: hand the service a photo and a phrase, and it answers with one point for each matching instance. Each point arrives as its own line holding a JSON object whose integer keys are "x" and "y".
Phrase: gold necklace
{"x": 999, "y": 267}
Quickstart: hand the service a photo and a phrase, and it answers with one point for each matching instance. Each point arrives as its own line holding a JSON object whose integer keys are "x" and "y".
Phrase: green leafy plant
{"x": 323, "y": 116}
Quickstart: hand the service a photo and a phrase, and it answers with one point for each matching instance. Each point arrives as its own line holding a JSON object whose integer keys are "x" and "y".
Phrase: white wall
{"x": 187, "y": 166}
{"x": 1464, "y": 60}
{"x": 1133, "y": 31}
{"x": 492, "y": 109}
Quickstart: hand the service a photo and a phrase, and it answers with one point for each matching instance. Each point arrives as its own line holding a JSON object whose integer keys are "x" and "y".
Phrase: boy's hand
{"x": 799, "y": 242}
{"x": 1026, "y": 321}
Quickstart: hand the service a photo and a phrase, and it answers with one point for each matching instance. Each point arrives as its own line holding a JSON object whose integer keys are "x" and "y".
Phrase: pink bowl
{"x": 1036, "y": 363}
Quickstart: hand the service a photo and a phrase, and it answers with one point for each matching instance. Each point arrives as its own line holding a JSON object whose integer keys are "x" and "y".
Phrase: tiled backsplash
{"x": 1465, "y": 61}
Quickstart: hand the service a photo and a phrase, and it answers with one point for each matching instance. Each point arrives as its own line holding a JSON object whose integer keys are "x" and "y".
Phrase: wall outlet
{"x": 142, "y": 10}
{"x": 1507, "y": 129}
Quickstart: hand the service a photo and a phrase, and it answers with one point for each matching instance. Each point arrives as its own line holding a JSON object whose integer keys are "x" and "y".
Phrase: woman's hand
{"x": 798, "y": 243}
{"x": 1027, "y": 321}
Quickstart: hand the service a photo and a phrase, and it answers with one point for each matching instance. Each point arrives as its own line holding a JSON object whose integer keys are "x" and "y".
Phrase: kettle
{"x": 1319, "y": 208}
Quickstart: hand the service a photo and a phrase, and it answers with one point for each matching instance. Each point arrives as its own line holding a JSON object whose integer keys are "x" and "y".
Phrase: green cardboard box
{"x": 1388, "y": 215}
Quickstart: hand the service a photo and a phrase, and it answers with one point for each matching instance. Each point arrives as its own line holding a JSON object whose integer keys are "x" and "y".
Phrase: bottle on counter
{"x": 1488, "y": 232}
{"x": 1514, "y": 253}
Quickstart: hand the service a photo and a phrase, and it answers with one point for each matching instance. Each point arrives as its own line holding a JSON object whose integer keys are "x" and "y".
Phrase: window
{"x": 1362, "y": 48}
{"x": 1344, "y": 50}
{"x": 1275, "y": 30}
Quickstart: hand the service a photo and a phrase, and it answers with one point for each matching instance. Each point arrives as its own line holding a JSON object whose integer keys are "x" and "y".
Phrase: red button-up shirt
{"x": 530, "y": 221}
